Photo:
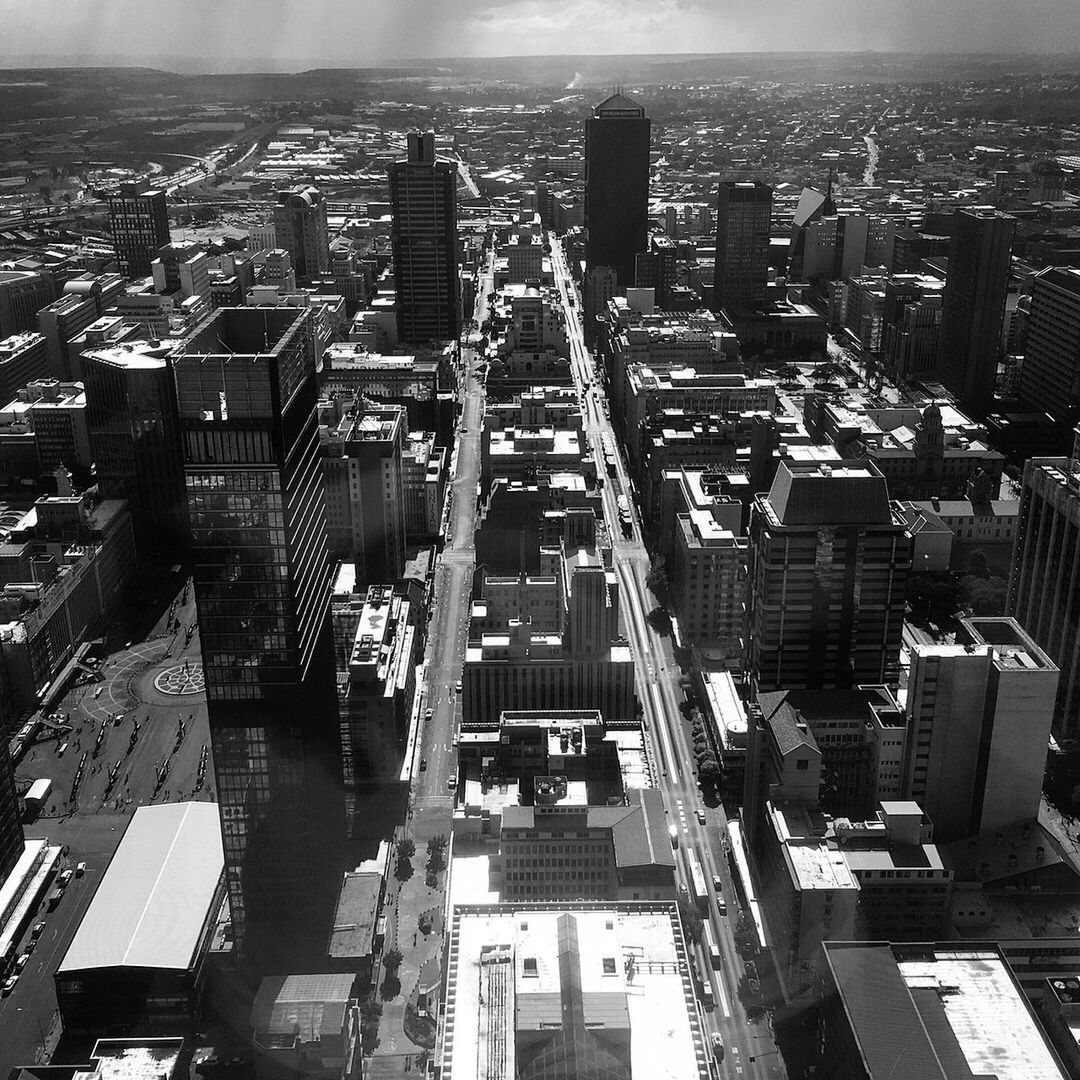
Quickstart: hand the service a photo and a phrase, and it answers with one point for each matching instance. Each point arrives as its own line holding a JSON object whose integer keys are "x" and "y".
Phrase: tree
{"x": 656, "y": 580}
{"x": 984, "y": 596}
{"x": 392, "y": 960}
{"x": 659, "y": 620}
{"x": 709, "y": 770}
{"x": 406, "y": 848}
{"x": 746, "y": 937}
{"x": 404, "y": 869}
{"x": 689, "y": 916}
{"x": 370, "y": 1015}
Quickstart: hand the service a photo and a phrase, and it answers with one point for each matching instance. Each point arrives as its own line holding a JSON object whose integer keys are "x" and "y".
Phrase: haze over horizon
{"x": 247, "y": 35}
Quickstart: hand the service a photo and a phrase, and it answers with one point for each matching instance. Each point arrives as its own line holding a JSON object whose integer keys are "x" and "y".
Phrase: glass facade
{"x": 262, "y": 585}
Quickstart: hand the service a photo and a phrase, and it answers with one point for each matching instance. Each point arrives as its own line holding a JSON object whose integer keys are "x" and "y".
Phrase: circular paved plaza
{"x": 180, "y": 679}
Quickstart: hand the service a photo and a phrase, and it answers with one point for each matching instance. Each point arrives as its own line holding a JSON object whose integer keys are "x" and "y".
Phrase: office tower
{"x": 423, "y": 234}
{"x": 1051, "y": 372}
{"x": 655, "y": 269}
{"x": 616, "y": 187}
{"x": 300, "y": 228}
{"x": 135, "y": 439}
{"x": 973, "y": 304}
{"x": 827, "y": 565}
{"x": 246, "y": 392}
{"x": 23, "y": 358}
{"x": 1046, "y": 575}
{"x": 365, "y": 501}
{"x": 11, "y": 830}
{"x": 139, "y": 221}
{"x": 979, "y": 714}
{"x": 23, "y": 294}
{"x": 743, "y": 216}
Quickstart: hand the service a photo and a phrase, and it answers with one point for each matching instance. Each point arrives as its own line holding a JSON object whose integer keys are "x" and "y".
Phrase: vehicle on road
{"x": 9, "y": 985}
{"x": 673, "y": 833}
{"x": 31, "y": 945}
{"x": 717, "y": 1045}
{"x": 708, "y": 943}
{"x": 423, "y": 764}
{"x": 65, "y": 877}
{"x": 457, "y": 686}
{"x": 721, "y": 905}
{"x": 80, "y": 869}
{"x": 22, "y": 961}
{"x": 698, "y": 892}
{"x": 451, "y": 781}
{"x": 39, "y": 929}
{"x": 718, "y": 883}
{"x": 700, "y": 816}
{"x": 429, "y": 713}
{"x": 54, "y": 899}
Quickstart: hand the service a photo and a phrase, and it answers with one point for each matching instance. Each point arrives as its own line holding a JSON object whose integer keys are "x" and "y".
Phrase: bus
{"x": 609, "y": 456}
{"x": 625, "y": 521}
{"x": 708, "y": 943}
{"x": 698, "y": 891}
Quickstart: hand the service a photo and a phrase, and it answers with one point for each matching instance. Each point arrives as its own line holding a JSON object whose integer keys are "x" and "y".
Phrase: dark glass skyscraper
{"x": 743, "y": 214}
{"x": 139, "y": 220}
{"x": 247, "y": 400}
{"x": 973, "y": 304}
{"x": 423, "y": 234}
{"x": 135, "y": 439}
{"x": 616, "y": 187}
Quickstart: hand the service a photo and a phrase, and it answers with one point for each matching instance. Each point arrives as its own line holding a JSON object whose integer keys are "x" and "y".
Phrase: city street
{"x": 750, "y": 1050}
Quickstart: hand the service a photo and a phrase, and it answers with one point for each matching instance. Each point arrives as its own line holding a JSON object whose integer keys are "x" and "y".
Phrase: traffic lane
{"x": 27, "y": 1013}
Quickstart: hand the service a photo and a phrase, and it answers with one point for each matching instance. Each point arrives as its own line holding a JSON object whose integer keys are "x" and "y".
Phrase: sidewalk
{"x": 409, "y": 901}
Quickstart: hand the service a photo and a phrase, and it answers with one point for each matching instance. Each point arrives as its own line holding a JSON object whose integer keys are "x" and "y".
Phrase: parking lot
{"x": 154, "y": 683}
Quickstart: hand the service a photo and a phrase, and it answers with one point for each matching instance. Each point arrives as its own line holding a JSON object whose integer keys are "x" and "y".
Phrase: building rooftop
{"x": 817, "y": 494}
{"x": 536, "y": 987}
{"x": 154, "y": 899}
{"x": 926, "y": 1012}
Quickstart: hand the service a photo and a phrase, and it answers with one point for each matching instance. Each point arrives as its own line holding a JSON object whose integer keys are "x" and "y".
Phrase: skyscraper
{"x": 1045, "y": 579}
{"x": 365, "y": 500}
{"x": 827, "y": 565}
{"x": 616, "y": 187}
{"x": 979, "y": 715}
{"x": 139, "y": 220}
{"x": 1051, "y": 372}
{"x": 743, "y": 216}
{"x": 973, "y": 305}
{"x": 423, "y": 234}
{"x": 135, "y": 439}
{"x": 247, "y": 398}
{"x": 300, "y": 228}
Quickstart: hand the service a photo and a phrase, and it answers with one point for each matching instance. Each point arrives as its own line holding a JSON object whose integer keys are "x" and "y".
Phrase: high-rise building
{"x": 135, "y": 439}
{"x": 973, "y": 304}
{"x": 1046, "y": 575}
{"x": 1051, "y": 374}
{"x": 23, "y": 293}
{"x": 616, "y": 187}
{"x": 743, "y": 216}
{"x": 365, "y": 502}
{"x": 246, "y": 391}
{"x": 979, "y": 715}
{"x": 23, "y": 358}
{"x": 827, "y": 564}
{"x": 655, "y": 269}
{"x": 139, "y": 220}
{"x": 423, "y": 234}
{"x": 300, "y": 228}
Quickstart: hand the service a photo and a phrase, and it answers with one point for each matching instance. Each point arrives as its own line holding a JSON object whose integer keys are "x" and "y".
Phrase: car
{"x": 80, "y": 869}
{"x": 700, "y": 816}
{"x": 717, "y": 1046}
{"x": 31, "y": 945}
{"x": 429, "y": 713}
{"x": 423, "y": 764}
{"x": 22, "y": 961}
{"x": 718, "y": 883}
{"x": 65, "y": 876}
{"x": 9, "y": 985}
{"x": 457, "y": 686}
{"x": 39, "y": 929}
{"x": 451, "y": 782}
{"x": 721, "y": 906}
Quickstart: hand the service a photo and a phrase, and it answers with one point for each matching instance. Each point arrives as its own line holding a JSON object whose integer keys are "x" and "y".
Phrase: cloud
{"x": 359, "y": 32}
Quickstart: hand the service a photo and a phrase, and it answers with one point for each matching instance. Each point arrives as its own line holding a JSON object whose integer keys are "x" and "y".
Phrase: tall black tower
{"x": 616, "y": 187}
{"x": 247, "y": 395}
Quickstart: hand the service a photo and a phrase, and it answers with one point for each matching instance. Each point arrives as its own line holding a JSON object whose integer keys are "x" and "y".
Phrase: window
{"x": 802, "y": 764}
{"x": 609, "y": 965}
{"x": 529, "y": 966}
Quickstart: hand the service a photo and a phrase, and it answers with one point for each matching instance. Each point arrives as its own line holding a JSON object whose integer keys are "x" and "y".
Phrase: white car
{"x": 8, "y": 986}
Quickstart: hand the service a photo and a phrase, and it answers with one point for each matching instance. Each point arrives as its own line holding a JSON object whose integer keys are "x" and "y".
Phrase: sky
{"x": 295, "y": 34}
